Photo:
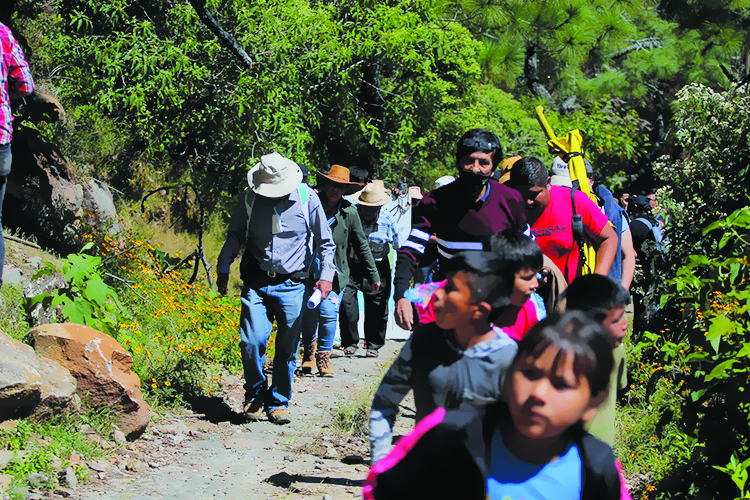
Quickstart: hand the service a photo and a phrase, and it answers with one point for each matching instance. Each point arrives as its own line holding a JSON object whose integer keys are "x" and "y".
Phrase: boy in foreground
{"x": 458, "y": 360}
{"x": 603, "y": 299}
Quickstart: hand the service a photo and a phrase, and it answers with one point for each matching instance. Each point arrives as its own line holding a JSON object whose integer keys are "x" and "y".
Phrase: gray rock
{"x": 6, "y": 456}
{"x": 12, "y": 275}
{"x": 97, "y": 466}
{"x": 29, "y": 384}
{"x": 69, "y": 478}
{"x": 37, "y": 480}
{"x": 5, "y": 480}
{"x": 99, "y": 207}
{"x": 118, "y": 437}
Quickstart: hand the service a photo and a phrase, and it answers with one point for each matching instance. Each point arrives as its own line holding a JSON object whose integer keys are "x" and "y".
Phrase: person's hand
{"x": 222, "y": 280}
{"x": 404, "y": 314}
{"x": 325, "y": 288}
{"x": 375, "y": 287}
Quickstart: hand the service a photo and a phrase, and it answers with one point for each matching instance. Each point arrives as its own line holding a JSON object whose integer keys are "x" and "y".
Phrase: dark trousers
{"x": 376, "y": 309}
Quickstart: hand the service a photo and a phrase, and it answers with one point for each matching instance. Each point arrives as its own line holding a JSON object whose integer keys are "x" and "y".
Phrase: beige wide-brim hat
{"x": 274, "y": 176}
{"x": 415, "y": 192}
{"x": 373, "y": 195}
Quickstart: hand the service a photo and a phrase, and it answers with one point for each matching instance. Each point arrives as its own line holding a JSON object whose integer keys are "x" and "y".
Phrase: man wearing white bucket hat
{"x": 275, "y": 220}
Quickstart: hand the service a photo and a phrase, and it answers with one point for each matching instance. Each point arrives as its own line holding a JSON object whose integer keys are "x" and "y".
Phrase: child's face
{"x": 453, "y": 305}
{"x": 524, "y": 285}
{"x": 546, "y": 397}
{"x": 617, "y": 324}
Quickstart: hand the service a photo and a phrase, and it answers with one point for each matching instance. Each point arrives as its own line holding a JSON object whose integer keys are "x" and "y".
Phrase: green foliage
{"x": 46, "y": 446}
{"x": 87, "y": 300}
{"x": 703, "y": 287}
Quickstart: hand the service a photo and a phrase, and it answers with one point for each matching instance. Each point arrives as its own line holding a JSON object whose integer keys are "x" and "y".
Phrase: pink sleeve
{"x": 400, "y": 450}
{"x": 594, "y": 219}
{"x": 624, "y": 493}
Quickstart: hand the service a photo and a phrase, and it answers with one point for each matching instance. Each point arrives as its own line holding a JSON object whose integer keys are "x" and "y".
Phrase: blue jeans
{"x": 321, "y": 322}
{"x": 260, "y": 305}
{"x": 5, "y": 160}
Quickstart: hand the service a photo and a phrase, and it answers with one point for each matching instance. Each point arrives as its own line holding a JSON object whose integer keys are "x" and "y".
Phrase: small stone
{"x": 5, "y": 480}
{"x": 56, "y": 463}
{"x": 37, "y": 480}
{"x": 63, "y": 492}
{"x": 327, "y": 497}
{"x": 118, "y": 437}
{"x": 176, "y": 439}
{"x": 9, "y": 424}
{"x": 75, "y": 459}
{"x": 97, "y": 466}
{"x": 135, "y": 466}
{"x": 69, "y": 478}
{"x": 154, "y": 465}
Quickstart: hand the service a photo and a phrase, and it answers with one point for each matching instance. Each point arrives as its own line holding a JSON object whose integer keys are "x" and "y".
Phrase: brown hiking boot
{"x": 252, "y": 410}
{"x": 308, "y": 358}
{"x": 323, "y": 362}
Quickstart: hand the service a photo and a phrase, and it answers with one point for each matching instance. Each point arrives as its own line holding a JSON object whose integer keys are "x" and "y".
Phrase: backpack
{"x": 304, "y": 196}
{"x": 661, "y": 241}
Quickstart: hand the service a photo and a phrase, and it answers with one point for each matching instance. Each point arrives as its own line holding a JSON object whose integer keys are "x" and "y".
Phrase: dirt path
{"x": 188, "y": 457}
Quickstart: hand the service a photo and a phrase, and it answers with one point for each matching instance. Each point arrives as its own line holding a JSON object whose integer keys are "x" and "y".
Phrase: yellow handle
{"x": 544, "y": 123}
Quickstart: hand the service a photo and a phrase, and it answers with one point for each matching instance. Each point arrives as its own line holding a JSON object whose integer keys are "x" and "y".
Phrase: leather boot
{"x": 323, "y": 362}
{"x": 308, "y": 358}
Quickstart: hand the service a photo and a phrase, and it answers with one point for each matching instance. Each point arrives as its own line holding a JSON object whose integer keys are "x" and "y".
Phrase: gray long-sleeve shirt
{"x": 278, "y": 234}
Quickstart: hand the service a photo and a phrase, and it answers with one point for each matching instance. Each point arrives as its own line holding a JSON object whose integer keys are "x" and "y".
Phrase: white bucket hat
{"x": 373, "y": 195}
{"x": 274, "y": 176}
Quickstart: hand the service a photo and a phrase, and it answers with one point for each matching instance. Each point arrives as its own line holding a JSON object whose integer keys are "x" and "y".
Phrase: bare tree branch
{"x": 225, "y": 38}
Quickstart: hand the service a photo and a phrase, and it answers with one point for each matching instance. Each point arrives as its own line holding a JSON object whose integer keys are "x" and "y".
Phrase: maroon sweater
{"x": 458, "y": 222}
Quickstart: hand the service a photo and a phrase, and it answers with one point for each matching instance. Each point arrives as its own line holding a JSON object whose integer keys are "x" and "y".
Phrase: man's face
{"x": 366, "y": 213}
{"x": 652, "y": 200}
{"x": 537, "y": 197}
{"x": 477, "y": 162}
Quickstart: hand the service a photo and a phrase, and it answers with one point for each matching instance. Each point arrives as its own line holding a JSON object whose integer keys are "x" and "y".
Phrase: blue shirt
{"x": 279, "y": 234}
{"x": 513, "y": 479}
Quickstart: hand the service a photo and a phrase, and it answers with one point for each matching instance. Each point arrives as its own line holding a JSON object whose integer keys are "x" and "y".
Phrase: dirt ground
{"x": 190, "y": 456}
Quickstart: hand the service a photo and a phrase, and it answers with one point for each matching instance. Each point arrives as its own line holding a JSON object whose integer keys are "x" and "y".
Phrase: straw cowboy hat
{"x": 415, "y": 192}
{"x": 274, "y": 176}
{"x": 339, "y": 175}
{"x": 373, "y": 195}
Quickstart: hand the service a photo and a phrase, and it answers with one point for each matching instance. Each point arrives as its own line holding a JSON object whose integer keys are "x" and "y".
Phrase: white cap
{"x": 446, "y": 179}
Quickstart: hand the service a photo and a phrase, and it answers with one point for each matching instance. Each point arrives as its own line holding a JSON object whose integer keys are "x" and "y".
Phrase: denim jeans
{"x": 260, "y": 305}
{"x": 321, "y": 322}
{"x": 5, "y": 160}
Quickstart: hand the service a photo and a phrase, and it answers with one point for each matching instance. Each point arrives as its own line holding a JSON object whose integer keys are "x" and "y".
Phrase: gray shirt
{"x": 279, "y": 234}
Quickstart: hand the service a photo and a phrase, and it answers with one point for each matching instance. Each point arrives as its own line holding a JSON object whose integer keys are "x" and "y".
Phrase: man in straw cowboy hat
{"x": 382, "y": 232}
{"x": 275, "y": 220}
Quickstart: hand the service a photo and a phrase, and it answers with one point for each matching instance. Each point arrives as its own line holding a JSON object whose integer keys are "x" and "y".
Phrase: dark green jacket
{"x": 348, "y": 234}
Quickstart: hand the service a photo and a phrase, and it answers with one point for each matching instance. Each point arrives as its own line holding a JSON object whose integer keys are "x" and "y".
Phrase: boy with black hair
{"x": 604, "y": 300}
{"x": 459, "y": 359}
{"x": 522, "y": 256}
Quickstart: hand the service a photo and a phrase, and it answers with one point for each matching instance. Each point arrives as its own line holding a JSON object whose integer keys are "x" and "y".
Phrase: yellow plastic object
{"x": 572, "y": 142}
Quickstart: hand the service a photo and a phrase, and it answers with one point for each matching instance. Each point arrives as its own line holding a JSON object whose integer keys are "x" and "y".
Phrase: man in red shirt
{"x": 549, "y": 211}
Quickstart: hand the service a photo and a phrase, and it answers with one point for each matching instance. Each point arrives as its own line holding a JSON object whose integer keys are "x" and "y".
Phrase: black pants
{"x": 376, "y": 309}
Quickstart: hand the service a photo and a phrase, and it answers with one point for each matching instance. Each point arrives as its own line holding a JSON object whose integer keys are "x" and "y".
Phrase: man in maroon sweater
{"x": 459, "y": 216}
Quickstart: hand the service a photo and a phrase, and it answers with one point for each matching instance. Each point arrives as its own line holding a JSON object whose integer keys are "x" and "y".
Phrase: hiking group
{"x": 516, "y": 352}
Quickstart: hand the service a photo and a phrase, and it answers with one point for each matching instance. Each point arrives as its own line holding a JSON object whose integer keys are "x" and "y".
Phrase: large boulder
{"x": 28, "y": 384}
{"x": 102, "y": 368}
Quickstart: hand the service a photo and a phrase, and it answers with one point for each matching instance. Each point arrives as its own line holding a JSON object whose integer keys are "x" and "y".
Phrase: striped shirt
{"x": 458, "y": 223}
{"x": 15, "y": 80}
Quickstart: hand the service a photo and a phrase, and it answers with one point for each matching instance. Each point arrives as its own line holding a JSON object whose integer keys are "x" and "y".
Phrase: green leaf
{"x": 719, "y": 370}
{"x": 720, "y": 325}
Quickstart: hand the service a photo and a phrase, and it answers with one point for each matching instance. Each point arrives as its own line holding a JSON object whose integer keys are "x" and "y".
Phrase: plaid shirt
{"x": 15, "y": 80}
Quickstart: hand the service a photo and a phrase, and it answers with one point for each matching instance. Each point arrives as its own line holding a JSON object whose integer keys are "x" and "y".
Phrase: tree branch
{"x": 530, "y": 69}
{"x": 645, "y": 44}
{"x": 225, "y": 38}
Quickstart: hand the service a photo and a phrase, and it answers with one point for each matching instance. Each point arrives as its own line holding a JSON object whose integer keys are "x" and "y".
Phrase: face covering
{"x": 473, "y": 181}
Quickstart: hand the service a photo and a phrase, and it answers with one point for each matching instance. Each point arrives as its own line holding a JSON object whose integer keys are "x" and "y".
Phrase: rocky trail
{"x": 212, "y": 453}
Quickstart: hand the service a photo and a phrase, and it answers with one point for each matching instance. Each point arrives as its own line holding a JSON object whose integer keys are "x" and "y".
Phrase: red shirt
{"x": 553, "y": 228}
